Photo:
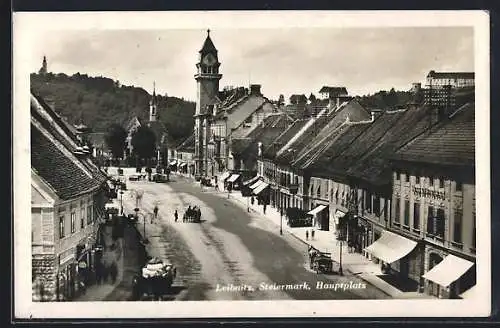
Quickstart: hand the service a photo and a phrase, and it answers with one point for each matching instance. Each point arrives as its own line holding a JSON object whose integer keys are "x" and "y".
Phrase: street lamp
{"x": 281, "y": 221}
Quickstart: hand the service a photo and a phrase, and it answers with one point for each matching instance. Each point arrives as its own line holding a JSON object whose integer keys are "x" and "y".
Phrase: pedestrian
{"x": 307, "y": 234}
{"x": 155, "y": 211}
{"x": 176, "y": 216}
{"x": 312, "y": 234}
{"x": 252, "y": 200}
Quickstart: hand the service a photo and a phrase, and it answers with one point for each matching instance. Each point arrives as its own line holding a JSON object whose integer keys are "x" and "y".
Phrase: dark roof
{"x": 334, "y": 90}
{"x": 187, "y": 145}
{"x": 451, "y": 142}
{"x": 239, "y": 110}
{"x": 368, "y": 155}
{"x": 270, "y": 151}
{"x": 57, "y": 169}
{"x": 265, "y": 133}
{"x": 352, "y": 110}
{"x": 59, "y": 131}
{"x": 451, "y": 75}
{"x": 208, "y": 46}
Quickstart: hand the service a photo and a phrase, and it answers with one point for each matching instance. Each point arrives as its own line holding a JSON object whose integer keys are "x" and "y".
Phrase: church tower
{"x": 43, "y": 69}
{"x": 207, "y": 79}
{"x": 153, "y": 106}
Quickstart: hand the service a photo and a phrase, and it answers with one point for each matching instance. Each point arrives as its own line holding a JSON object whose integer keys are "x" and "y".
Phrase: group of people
{"x": 190, "y": 214}
{"x": 312, "y": 234}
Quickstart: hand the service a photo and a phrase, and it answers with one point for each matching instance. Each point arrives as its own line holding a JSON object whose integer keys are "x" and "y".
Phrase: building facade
{"x": 67, "y": 201}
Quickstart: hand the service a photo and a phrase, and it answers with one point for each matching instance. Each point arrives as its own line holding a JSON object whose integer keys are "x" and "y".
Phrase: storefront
{"x": 320, "y": 217}
{"x": 393, "y": 250}
{"x": 448, "y": 277}
{"x": 262, "y": 193}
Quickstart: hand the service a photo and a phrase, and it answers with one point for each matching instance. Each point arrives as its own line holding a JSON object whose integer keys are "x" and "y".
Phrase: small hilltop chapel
{"x": 222, "y": 116}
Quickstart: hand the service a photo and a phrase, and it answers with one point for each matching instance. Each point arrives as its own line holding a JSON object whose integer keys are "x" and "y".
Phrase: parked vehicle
{"x": 320, "y": 261}
{"x": 155, "y": 280}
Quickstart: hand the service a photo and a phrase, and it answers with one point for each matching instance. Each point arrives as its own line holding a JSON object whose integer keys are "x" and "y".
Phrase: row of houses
{"x": 68, "y": 196}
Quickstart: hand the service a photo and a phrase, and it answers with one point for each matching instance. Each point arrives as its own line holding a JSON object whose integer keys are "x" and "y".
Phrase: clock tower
{"x": 207, "y": 79}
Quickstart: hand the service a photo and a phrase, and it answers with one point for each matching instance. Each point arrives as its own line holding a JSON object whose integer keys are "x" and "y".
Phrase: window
{"x": 416, "y": 216}
{"x": 61, "y": 226}
{"x": 318, "y": 191}
{"x": 73, "y": 222}
{"x": 458, "y": 186}
{"x": 368, "y": 202}
{"x": 89, "y": 214}
{"x": 407, "y": 213}
{"x": 337, "y": 196}
{"x": 397, "y": 209}
{"x": 407, "y": 177}
{"x": 439, "y": 223}
{"x": 441, "y": 182}
{"x": 430, "y": 220}
{"x": 376, "y": 205}
{"x": 431, "y": 181}
{"x": 82, "y": 217}
{"x": 457, "y": 226}
{"x": 396, "y": 175}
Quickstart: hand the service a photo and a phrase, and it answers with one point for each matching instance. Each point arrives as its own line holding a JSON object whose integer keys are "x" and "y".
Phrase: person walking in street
{"x": 155, "y": 211}
{"x": 307, "y": 234}
{"x": 176, "y": 216}
{"x": 312, "y": 234}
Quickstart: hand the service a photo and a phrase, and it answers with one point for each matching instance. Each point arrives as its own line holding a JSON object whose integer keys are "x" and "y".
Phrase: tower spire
{"x": 208, "y": 32}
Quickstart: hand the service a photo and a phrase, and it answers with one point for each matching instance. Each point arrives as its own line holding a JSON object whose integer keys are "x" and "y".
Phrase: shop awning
{"x": 183, "y": 164}
{"x": 233, "y": 178}
{"x": 256, "y": 184}
{"x": 260, "y": 188}
{"x": 338, "y": 215}
{"x": 470, "y": 293}
{"x": 448, "y": 270}
{"x": 173, "y": 162}
{"x": 251, "y": 181}
{"x": 225, "y": 175}
{"x": 316, "y": 210}
{"x": 390, "y": 247}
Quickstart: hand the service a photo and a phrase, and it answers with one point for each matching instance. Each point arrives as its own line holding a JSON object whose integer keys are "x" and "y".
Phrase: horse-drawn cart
{"x": 320, "y": 261}
{"x": 192, "y": 215}
{"x": 156, "y": 279}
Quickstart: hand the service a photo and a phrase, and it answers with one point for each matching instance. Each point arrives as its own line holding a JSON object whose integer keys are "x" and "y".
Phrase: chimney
{"x": 255, "y": 89}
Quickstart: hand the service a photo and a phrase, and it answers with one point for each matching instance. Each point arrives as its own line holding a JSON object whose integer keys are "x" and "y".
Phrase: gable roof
{"x": 187, "y": 145}
{"x": 334, "y": 90}
{"x": 349, "y": 111}
{"x": 367, "y": 157}
{"x": 452, "y": 142}
{"x": 58, "y": 168}
{"x": 271, "y": 151}
{"x": 271, "y": 127}
{"x": 59, "y": 131}
{"x": 239, "y": 111}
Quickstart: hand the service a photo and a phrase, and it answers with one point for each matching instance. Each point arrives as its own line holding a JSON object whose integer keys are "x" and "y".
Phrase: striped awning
{"x": 448, "y": 270}
{"x": 225, "y": 175}
{"x": 233, "y": 178}
{"x": 316, "y": 210}
{"x": 390, "y": 247}
{"x": 251, "y": 181}
{"x": 256, "y": 184}
{"x": 260, "y": 188}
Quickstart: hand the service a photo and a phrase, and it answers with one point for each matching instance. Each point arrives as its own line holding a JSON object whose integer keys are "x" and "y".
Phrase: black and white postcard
{"x": 251, "y": 164}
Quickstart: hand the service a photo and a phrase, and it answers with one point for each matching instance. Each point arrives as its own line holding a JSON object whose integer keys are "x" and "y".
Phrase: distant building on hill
{"x": 43, "y": 69}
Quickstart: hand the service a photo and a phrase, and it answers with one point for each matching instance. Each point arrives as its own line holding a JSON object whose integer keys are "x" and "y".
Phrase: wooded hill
{"x": 99, "y": 101}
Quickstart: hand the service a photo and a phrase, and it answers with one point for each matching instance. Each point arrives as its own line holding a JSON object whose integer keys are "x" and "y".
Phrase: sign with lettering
{"x": 422, "y": 192}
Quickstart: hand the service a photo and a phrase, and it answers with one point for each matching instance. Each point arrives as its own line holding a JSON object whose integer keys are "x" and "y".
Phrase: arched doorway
{"x": 434, "y": 259}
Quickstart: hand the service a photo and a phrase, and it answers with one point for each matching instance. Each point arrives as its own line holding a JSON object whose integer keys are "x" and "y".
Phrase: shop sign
{"x": 422, "y": 192}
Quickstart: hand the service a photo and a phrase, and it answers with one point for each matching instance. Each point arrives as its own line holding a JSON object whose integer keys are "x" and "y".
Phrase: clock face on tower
{"x": 209, "y": 60}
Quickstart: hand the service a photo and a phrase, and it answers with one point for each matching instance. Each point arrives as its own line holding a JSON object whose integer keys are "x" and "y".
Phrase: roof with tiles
{"x": 187, "y": 145}
{"x": 47, "y": 118}
{"x": 351, "y": 110}
{"x": 58, "y": 169}
{"x": 451, "y": 142}
{"x": 368, "y": 156}
{"x": 271, "y": 151}
{"x": 265, "y": 133}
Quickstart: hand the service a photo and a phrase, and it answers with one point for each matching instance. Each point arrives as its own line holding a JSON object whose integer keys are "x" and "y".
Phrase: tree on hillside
{"x": 115, "y": 140}
{"x": 144, "y": 142}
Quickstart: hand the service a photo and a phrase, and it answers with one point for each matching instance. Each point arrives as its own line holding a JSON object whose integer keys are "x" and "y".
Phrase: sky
{"x": 284, "y": 61}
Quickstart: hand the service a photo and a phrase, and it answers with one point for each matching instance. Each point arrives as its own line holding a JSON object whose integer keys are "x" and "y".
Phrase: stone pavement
{"x": 352, "y": 263}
